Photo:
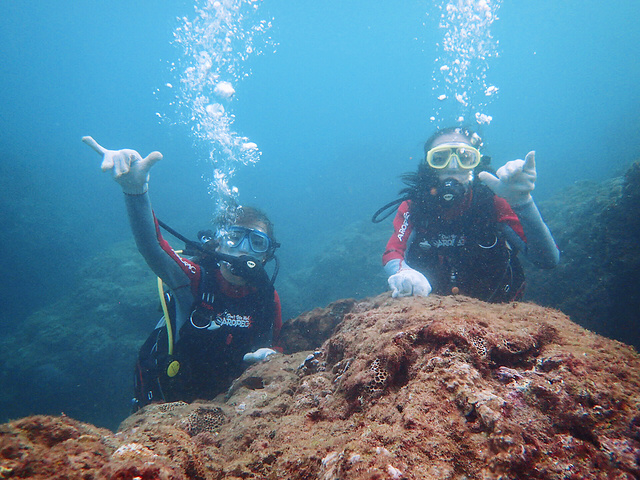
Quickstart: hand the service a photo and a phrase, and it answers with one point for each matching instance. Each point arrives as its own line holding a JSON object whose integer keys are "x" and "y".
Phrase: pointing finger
{"x": 93, "y": 144}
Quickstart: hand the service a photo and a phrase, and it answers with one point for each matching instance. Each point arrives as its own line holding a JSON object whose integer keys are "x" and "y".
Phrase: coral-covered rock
{"x": 310, "y": 329}
{"x": 596, "y": 226}
{"x": 42, "y": 447}
{"x": 413, "y": 388}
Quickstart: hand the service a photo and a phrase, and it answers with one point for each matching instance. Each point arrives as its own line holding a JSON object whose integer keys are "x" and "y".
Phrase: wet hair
{"x": 241, "y": 216}
{"x": 472, "y": 137}
{"x": 246, "y": 216}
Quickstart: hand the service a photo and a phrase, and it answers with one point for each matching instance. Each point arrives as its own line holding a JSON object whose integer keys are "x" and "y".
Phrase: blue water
{"x": 339, "y": 110}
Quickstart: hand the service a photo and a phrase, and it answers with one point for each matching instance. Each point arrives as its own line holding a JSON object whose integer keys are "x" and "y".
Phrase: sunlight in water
{"x": 460, "y": 72}
{"x": 215, "y": 46}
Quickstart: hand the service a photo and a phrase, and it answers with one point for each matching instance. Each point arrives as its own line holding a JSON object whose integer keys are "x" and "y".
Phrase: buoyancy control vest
{"x": 467, "y": 254}
{"x": 209, "y": 358}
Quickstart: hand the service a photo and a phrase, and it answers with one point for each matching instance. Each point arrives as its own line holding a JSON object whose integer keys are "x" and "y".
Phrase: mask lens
{"x": 234, "y": 237}
{"x": 468, "y": 158}
{"x": 439, "y": 158}
{"x": 259, "y": 242}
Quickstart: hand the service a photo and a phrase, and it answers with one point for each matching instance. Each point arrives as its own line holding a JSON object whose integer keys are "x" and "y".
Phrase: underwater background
{"x": 339, "y": 104}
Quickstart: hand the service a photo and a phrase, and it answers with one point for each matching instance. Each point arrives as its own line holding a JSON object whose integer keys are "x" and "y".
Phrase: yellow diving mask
{"x": 466, "y": 156}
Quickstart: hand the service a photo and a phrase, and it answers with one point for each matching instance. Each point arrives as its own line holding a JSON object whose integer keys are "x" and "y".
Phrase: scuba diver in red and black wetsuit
{"x": 222, "y": 313}
{"x": 459, "y": 228}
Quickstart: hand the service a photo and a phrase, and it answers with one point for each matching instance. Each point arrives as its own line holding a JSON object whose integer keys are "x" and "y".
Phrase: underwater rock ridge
{"x": 412, "y": 388}
{"x": 596, "y": 226}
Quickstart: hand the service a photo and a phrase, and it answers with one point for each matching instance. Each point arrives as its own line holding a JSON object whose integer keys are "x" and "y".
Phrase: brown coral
{"x": 204, "y": 419}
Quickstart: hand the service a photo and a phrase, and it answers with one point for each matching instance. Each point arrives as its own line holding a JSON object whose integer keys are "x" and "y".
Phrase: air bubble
{"x": 463, "y": 59}
{"x": 216, "y": 44}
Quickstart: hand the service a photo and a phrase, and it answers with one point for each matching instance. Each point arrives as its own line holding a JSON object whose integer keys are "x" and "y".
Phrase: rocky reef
{"x": 415, "y": 388}
{"x": 597, "y": 283}
{"x": 77, "y": 354}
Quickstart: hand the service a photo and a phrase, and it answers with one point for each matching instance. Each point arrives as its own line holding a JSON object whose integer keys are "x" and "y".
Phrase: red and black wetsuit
{"x": 472, "y": 249}
{"x": 210, "y": 359}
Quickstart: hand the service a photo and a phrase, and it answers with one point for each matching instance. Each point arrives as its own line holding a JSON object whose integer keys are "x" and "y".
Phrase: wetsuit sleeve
{"x": 398, "y": 242}
{"x": 174, "y": 270}
{"x": 277, "y": 323}
{"x": 528, "y": 232}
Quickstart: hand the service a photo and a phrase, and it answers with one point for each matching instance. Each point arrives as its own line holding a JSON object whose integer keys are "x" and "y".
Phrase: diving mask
{"x": 466, "y": 156}
{"x": 234, "y": 236}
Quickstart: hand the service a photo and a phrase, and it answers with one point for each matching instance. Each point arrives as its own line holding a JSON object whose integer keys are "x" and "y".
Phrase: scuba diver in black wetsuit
{"x": 459, "y": 228}
{"x": 223, "y": 312}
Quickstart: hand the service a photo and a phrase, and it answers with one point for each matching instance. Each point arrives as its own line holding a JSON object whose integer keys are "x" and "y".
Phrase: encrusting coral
{"x": 413, "y": 388}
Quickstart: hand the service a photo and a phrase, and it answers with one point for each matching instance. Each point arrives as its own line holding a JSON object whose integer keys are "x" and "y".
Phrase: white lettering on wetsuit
{"x": 405, "y": 225}
{"x": 449, "y": 241}
{"x": 232, "y": 320}
{"x": 191, "y": 268}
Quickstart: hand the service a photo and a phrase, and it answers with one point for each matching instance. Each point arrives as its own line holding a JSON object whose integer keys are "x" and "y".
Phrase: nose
{"x": 244, "y": 245}
{"x": 454, "y": 162}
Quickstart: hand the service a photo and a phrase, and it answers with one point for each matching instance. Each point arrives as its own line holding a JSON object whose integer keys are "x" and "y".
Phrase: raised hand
{"x": 129, "y": 169}
{"x": 514, "y": 181}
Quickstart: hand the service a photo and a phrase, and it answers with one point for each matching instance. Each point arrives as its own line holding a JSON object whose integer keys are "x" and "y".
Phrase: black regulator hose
{"x": 388, "y": 206}
{"x": 189, "y": 243}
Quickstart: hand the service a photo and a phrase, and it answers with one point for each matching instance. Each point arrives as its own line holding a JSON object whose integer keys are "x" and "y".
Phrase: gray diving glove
{"x": 258, "y": 355}
{"x": 515, "y": 180}
{"x": 406, "y": 281}
{"x": 129, "y": 169}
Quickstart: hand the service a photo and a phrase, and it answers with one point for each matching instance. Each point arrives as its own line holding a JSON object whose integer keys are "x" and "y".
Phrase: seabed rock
{"x": 412, "y": 388}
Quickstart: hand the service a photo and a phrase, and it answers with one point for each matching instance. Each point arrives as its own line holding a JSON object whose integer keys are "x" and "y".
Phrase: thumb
{"x": 530, "y": 162}
{"x": 490, "y": 181}
{"x": 150, "y": 160}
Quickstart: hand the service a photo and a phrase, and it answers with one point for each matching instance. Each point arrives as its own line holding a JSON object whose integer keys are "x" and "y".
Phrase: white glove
{"x": 409, "y": 282}
{"x": 516, "y": 180}
{"x": 257, "y": 356}
{"x": 129, "y": 169}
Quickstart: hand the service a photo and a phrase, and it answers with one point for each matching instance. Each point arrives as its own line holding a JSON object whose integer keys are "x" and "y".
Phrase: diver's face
{"x": 246, "y": 239}
{"x": 243, "y": 246}
{"x": 453, "y": 170}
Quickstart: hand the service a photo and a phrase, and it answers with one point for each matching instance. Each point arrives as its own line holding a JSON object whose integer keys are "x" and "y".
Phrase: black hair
{"x": 472, "y": 137}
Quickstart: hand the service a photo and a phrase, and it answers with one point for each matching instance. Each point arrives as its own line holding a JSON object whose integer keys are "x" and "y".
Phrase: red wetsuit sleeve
{"x": 277, "y": 322}
{"x": 507, "y": 215}
{"x": 190, "y": 269}
{"x": 397, "y": 244}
